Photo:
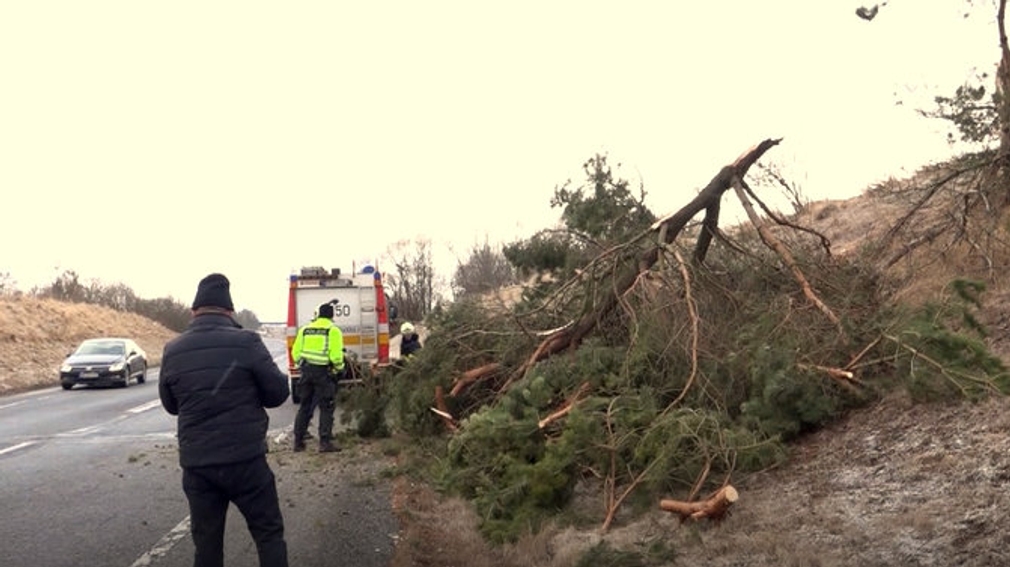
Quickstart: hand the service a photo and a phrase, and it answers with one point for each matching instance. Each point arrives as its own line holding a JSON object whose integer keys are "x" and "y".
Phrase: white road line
{"x": 81, "y": 431}
{"x": 98, "y": 427}
{"x": 142, "y": 408}
{"x": 164, "y": 545}
{"x": 13, "y": 448}
{"x": 36, "y": 396}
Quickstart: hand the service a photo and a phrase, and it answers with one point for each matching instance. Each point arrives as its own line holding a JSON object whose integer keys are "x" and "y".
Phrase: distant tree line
{"x": 167, "y": 311}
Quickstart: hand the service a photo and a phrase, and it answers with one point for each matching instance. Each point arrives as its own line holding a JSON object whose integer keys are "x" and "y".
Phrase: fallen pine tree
{"x": 656, "y": 375}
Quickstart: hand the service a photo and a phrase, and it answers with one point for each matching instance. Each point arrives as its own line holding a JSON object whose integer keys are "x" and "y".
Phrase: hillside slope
{"x": 37, "y": 334}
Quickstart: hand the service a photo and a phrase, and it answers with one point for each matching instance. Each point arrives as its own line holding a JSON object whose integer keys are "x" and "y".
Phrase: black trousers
{"x": 251, "y": 486}
{"x": 317, "y": 387}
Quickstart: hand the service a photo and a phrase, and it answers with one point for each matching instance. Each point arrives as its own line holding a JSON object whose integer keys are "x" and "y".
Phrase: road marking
{"x": 81, "y": 431}
{"x": 35, "y": 396}
{"x": 13, "y": 448}
{"x": 142, "y": 408}
{"x": 164, "y": 545}
{"x": 5, "y": 406}
{"x": 99, "y": 426}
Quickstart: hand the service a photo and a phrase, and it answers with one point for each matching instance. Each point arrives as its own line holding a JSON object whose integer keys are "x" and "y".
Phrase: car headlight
{"x": 66, "y": 368}
{"x": 117, "y": 367}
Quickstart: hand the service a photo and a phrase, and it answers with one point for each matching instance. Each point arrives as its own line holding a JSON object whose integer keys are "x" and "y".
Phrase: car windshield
{"x": 101, "y": 347}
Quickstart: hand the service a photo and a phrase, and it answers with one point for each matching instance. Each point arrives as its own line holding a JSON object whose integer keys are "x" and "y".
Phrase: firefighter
{"x": 319, "y": 351}
{"x": 410, "y": 342}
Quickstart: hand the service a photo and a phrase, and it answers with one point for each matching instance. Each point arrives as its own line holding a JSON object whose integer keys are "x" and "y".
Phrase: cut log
{"x": 713, "y": 508}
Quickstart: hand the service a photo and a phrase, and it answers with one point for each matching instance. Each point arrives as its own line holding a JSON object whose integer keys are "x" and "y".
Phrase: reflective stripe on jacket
{"x": 320, "y": 343}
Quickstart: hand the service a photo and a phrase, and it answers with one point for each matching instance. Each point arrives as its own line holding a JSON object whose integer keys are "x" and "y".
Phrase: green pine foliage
{"x": 940, "y": 352}
{"x": 648, "y": 419}
{"x": 686, "y": 384}
{"x": 367, "y": 404}
{"x": 971, "y": 111}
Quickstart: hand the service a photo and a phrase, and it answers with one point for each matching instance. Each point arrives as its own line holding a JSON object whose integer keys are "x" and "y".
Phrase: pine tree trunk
{"x": 1003, "y": 112}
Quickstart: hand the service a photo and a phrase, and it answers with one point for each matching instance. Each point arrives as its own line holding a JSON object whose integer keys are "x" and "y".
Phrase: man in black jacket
{"x": 218, "y": 379}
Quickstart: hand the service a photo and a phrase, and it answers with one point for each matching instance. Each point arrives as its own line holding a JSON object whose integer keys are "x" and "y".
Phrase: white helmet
{"x": 407, "y": 329}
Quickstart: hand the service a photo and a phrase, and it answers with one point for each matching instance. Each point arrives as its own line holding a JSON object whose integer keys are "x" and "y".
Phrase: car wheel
{"x": 67, "y": 386}
{"x": 142, "y": 377}
{"x": 126, "y": 378}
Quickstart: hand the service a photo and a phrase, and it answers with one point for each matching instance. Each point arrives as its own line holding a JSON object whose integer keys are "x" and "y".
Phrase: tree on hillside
{"x": 982, "y": 119}
{"x": 8, "y": 285}
{"x": 412, "y": 282}
{"x": 169, "y": 312}
{"x": 603, "y": 210}
{"x": 596, "y": 215}
{"x": 1003, "y": 92}
{"x": 118, "y": 296}
{"x": 485, "y": 269}
{"x": 247, "y": 319}
{"x": 66, "y": 287}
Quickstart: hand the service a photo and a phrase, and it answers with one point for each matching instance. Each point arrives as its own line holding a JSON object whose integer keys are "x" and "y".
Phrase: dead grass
{"x": 37, "y": 334}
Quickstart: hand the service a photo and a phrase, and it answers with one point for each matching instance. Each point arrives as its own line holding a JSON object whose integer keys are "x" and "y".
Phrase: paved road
{"x": 90, "y": 478}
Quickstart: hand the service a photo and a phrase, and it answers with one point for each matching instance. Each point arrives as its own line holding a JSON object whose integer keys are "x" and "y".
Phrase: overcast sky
{"x": 150, "y": 143}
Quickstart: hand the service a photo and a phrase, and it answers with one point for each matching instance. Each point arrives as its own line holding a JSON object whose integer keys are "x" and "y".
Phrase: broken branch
{"x": 769, "y": 239}
{"x": 442, "y": 410}
{"x": 471, "y": 376}
{"x": 565, "y": 408}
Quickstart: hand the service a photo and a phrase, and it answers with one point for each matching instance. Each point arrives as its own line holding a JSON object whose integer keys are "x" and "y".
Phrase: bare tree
{"x": 412, "y": 282}
{"x": 8, "y": 285}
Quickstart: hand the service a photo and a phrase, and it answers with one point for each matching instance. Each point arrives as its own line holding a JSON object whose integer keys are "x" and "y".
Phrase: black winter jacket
{"x": 409, "y": 344}
{"x": 219, "y": 378}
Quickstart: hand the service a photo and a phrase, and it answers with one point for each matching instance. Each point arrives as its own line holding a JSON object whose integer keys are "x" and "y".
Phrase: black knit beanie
{"x": 326, "y": 310}
{"x": 213, "y": 291}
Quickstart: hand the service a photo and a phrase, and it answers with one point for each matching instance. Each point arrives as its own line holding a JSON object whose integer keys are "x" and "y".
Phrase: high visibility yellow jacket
{"x": 320, "y": 343}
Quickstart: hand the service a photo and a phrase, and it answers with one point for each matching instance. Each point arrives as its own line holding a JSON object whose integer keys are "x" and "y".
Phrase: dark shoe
{"x": 327, "y": 447}
{"x": 299, "y": 446}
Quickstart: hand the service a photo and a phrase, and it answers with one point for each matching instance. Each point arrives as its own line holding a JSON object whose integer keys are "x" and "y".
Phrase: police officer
{"x": 319, "y": 352}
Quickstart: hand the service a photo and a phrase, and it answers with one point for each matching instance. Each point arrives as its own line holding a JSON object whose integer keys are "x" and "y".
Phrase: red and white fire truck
{"x": 360, "y": 309}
